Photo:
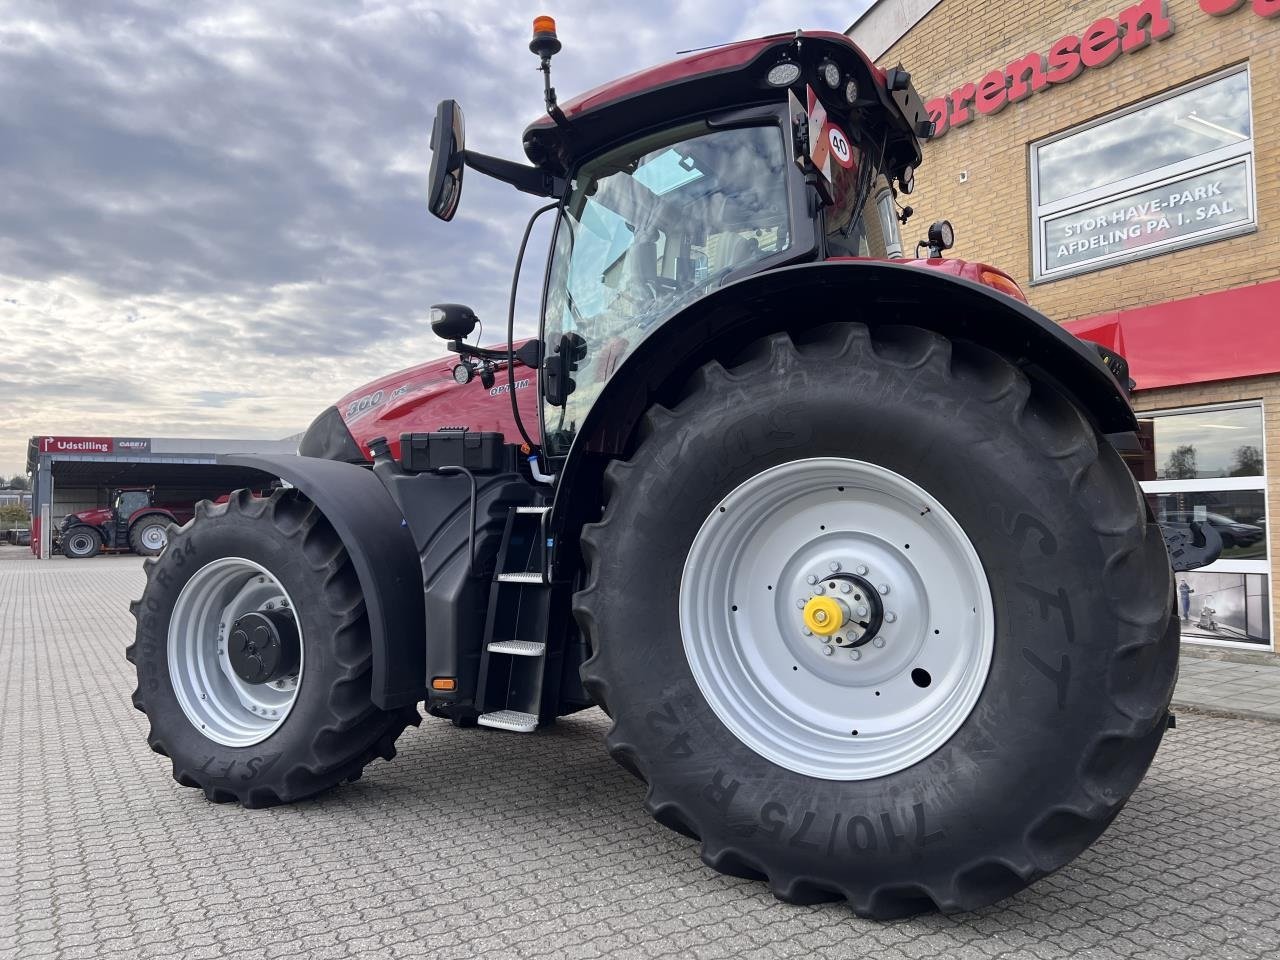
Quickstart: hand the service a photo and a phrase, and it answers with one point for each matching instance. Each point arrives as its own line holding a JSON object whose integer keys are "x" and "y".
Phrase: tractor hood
{"x": 94, "y": 517}
{"x": 419, "y": 399}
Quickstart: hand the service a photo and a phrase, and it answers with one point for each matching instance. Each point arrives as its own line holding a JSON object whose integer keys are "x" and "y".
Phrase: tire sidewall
{"x": 1024, "y": 749}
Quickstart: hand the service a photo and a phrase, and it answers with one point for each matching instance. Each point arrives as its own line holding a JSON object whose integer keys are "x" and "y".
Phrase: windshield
{"x": 647, "y": 229}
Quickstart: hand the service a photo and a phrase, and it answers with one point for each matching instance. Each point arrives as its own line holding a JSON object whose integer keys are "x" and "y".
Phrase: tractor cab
{"x": 125, "y": 503}
{"x": 679, "y": 180}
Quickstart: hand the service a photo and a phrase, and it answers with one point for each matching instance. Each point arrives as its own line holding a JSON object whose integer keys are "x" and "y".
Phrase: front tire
{"x": 259, "y": 739}
{"x": 80, "y": 543}
{"x": 1065, "y": 719}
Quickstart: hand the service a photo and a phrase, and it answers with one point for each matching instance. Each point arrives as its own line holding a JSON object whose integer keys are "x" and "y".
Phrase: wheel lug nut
{"x": 846, "y": 588}
{"x": 799, "y": 604}
{"x": 890, "y": 617}
{"x": 883, "y": 588}
{"x": 819, "y": 589}
{"x": 811, "y": 579}
{"x": 828, "y": 651}
{"x": 878, "y": 642}
{"x": 860, "y": 569}
{"x": 834, "y": 566}
{"x": 855, "y": 654}
{"x": 807, "y": 632}
{"x": 862, "y": 611}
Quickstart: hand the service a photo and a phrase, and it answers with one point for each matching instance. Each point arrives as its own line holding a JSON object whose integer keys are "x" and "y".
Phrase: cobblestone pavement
{"x": 479, "y": 843}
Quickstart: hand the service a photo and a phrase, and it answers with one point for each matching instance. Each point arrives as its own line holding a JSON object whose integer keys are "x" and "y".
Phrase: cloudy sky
{"x": 212, "y": 216}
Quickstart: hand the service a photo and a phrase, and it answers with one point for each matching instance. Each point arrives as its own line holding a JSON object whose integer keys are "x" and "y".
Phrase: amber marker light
{"x": 444, "y": 683}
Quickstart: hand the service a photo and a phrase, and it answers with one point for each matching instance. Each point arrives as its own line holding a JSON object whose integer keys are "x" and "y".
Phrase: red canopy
{"x": 1214, "y": 336}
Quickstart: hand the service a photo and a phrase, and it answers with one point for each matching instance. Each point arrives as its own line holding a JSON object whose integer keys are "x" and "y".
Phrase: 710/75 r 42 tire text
{"x": 271, "y": 564}
{"x": 988, "y": 695}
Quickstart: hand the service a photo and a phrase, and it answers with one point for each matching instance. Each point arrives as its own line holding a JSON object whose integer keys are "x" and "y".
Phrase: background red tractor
{"x": 133, "y": 521}
{"x": 842, "y": 542}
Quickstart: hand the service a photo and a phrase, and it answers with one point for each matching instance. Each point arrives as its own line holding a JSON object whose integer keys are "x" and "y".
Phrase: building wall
{"x": 962, "y": 40}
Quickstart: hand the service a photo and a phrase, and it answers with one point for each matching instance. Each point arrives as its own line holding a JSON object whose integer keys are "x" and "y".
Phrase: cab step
{"x": 531, "y": 576}
{"x": 512, "y": 720}
{"x": 518, "y": 648}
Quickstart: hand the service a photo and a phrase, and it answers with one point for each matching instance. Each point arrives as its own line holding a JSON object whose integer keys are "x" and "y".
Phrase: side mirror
{"x": 557, "y": 367}
{"x": 452, "y": 321}
{"x": 447, "y": 145}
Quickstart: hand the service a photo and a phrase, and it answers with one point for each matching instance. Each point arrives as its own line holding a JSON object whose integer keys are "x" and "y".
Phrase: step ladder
{"x": 519, "y": 676}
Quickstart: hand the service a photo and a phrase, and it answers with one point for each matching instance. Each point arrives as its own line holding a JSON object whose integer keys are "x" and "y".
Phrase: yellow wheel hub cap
{"x": 825, "y": 615}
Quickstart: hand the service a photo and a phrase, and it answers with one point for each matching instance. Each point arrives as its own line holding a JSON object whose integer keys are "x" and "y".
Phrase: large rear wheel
{"x": 917, "y": 651}
{"x": 254, "y": 656}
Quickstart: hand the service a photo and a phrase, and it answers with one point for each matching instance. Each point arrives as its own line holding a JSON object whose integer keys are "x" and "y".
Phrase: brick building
{"x": 1121, "y": 159}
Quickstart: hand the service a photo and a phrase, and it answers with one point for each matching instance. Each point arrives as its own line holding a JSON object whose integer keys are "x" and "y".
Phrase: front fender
{"x": 876, "y": 293}
{"x": 385, "y": 560}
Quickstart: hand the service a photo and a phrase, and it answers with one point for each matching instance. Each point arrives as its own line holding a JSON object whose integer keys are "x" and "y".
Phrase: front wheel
{"x": 917, "y": 651}
{"x": 81, "y": 542}
{"x": 254, "y": 657}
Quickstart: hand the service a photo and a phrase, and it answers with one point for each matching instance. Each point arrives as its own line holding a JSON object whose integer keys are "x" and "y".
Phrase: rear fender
{"x": 876, "y": 293}
{"x": 385, "y": 560}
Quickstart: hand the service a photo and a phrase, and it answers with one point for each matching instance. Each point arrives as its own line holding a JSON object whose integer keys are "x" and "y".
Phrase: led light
{"x": 783, "y": 74}
{"x": 851, "y": 91}
{"x": 830, "y": 71}
{"x": 908, "y": 179}
{"x": 462, "y": 373}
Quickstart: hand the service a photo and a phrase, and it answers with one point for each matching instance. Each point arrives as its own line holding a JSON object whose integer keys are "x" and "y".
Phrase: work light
{"x": 783, "y": 74}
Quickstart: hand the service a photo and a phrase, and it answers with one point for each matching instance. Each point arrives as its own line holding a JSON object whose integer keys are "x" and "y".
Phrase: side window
{"x": 132, "y": 500}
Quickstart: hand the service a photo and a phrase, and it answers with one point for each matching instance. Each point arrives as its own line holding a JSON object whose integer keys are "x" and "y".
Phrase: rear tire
{"x": 329, "y": 729}
{"x": 148, "y": 536}
{"x": 80, "y": 543}
{"x": 1082, "y": 663}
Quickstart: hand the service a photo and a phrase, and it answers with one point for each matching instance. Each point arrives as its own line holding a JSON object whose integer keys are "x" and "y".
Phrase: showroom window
{"x": 1167, "y": 174}
{"x": 1210, "y": 467}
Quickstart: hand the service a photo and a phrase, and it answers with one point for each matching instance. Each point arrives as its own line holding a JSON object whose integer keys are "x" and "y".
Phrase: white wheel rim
{"x": 219, "y": 703}
{"x": 80, "y": 543}
{"x": 154, "y": 537}
{"x": 778, "y": 689}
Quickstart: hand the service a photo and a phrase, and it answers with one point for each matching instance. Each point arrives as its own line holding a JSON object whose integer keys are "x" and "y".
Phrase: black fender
{"x": 877, "y": 293}
{"x": 364, "y": 516}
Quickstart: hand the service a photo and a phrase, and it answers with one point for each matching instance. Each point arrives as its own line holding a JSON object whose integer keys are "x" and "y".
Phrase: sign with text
{"x": 75, "y": 445}
{"x": 1195, "y": 206}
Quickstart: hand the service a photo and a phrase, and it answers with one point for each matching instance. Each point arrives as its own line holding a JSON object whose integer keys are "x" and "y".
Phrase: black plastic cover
{"x": 329, "y": 439}
{"x": 385, "y": 559}
{"x": 478, "y": 452}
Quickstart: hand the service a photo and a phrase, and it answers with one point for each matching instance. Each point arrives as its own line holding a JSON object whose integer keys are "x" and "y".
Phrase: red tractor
{"x": 134, "y": 521}
{"x": 842, "y": 542}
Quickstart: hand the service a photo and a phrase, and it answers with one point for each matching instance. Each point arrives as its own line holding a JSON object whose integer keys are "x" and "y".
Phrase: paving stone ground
{"x": 484, "y": 844}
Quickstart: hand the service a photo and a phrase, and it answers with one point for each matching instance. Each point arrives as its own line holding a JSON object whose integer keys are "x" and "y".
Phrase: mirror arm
{"x": 521, "y": 176}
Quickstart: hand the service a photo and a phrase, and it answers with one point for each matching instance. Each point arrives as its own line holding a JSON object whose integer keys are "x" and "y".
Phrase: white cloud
{"x": 212, "y": 218}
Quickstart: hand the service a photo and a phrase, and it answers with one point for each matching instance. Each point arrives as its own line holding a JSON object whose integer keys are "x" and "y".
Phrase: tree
{"x": 1248, "y": 462}
{"x": 19, "y": 482}
{"x": 1181, "y": 464}
{"x": 12, "y": 513}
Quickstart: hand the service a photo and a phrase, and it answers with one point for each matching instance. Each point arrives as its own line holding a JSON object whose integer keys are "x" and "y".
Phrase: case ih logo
{"x": 76, "y": 445}
{"x": 1098, "y": 45}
